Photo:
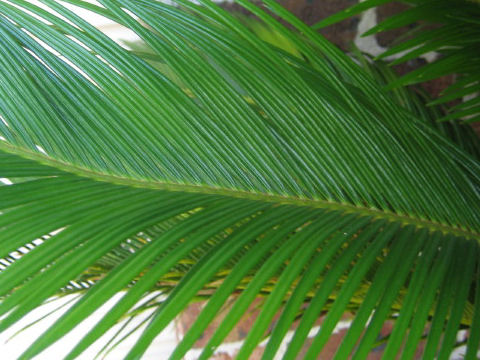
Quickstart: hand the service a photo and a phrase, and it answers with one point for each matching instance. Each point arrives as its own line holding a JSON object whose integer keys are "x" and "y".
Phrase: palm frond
{"x": 294, "y": 178}
{"x": 449, "y": 28}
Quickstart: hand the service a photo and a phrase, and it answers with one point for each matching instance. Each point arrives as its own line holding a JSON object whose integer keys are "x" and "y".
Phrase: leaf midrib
{"x": 238, "y": 193}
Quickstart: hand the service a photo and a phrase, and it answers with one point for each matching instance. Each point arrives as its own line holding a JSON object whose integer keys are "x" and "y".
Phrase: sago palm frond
{"x": 237, "y": 167}
{"x": 450, "y": 28}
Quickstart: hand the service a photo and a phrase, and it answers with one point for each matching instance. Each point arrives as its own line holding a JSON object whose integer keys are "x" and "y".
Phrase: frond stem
{"x": 242, "y": 194}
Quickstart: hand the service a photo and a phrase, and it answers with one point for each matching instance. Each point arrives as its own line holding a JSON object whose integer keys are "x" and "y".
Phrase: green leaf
{"x": 348, "y": 12}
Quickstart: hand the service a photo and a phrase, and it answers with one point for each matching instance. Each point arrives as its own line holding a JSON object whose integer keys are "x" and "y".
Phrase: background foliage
{"x": 450, "y": 28}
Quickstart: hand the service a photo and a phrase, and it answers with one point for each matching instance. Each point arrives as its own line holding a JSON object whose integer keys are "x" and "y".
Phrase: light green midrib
{"x": 241, "y": 194}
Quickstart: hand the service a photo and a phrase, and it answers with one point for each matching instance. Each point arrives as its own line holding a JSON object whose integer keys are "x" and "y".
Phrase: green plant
{"x": 233, "y": 168}
{"x": 450, "y": 28}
